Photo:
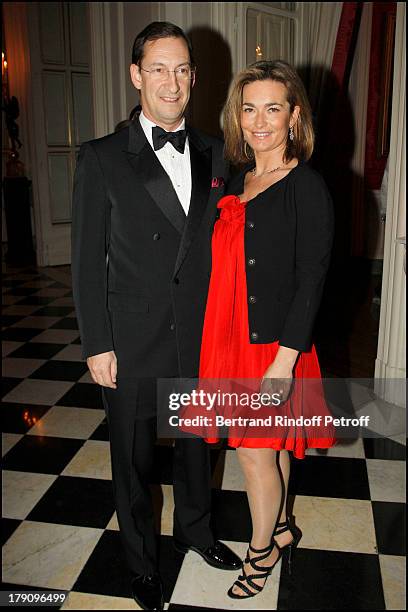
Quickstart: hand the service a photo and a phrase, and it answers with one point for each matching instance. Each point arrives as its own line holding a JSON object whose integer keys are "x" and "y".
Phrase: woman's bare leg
{"x": 284, "y": 464}
{"x": 264, "y": 490}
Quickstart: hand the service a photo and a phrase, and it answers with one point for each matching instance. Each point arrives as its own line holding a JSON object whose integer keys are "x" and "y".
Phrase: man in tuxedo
{"x": 144, "y": 206}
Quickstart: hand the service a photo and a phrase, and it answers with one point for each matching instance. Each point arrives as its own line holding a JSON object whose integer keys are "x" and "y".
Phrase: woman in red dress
{"x": 271, "y": 249}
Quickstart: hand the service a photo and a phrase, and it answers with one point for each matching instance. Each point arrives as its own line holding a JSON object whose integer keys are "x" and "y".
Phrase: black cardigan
{"x": 288, "y": 240}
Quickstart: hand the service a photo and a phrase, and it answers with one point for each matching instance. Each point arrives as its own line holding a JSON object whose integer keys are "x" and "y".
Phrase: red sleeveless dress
{"x": 226, "y": 352}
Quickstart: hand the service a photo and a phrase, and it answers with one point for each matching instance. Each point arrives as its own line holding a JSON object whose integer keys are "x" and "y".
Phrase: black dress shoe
{"x": 218, "y": 555}
{"x": 148, "y": 592}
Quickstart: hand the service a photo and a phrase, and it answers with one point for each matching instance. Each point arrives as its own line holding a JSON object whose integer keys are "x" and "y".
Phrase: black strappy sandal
{"x": 265, "y": 570}
{"x": 296, "y": 533}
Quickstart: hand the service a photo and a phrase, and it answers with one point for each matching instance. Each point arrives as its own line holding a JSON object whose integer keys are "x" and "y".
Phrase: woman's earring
{"x": 250, "y": 155}
{"x": 291, "y": 133}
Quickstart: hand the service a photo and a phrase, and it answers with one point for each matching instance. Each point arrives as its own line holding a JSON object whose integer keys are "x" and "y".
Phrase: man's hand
{"x": 103, "y": 369}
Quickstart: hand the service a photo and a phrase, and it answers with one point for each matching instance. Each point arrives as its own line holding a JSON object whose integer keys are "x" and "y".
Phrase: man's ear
{"x": 193, "y": 80}
{"x": 136, "y": 76}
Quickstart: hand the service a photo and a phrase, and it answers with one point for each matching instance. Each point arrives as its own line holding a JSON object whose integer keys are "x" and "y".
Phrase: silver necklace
{"x": 266, "y": 171}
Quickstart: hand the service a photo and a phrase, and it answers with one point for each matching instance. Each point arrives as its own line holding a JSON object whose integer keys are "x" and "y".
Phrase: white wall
{"x": 136, "y": 16}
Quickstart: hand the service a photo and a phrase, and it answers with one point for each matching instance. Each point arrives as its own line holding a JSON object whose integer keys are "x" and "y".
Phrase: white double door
{"x": 61, "y": 117}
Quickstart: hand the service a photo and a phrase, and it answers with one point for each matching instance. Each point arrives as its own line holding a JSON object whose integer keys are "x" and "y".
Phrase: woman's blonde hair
{"x": 237, "y": 150}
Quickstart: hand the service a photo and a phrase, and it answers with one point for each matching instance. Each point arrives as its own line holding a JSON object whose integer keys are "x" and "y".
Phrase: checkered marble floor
{"x": 59, "y": 525}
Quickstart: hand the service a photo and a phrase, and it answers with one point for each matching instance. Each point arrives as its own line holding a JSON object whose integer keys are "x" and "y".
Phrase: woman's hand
{"x": 278, "y": 377}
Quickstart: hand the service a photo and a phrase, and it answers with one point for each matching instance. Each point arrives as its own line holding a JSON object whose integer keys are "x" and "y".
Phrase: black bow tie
{"x": 177, "y": 139}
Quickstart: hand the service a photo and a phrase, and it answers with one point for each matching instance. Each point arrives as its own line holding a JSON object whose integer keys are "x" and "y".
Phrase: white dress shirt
{"x": 177, "y": 165}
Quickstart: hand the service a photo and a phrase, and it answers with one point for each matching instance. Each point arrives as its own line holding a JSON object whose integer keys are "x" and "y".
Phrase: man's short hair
{"x": 155, "y": 31}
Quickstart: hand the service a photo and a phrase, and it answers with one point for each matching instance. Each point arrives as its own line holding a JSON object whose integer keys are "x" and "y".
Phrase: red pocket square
{"x": 217, "y": 181}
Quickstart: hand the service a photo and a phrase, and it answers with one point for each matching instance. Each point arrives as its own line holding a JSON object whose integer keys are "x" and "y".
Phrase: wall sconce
{"x": 258, "y": 52}
{"x": 3, "y": 65}
{"x": 11, "y": 109}
{"x": 16, "y": 186}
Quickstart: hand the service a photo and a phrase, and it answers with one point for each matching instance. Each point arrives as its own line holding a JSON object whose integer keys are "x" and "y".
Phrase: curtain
{"x": 380, "y": 73}
{"x": 324, "y": 19}
{"x": 336, "y": 130}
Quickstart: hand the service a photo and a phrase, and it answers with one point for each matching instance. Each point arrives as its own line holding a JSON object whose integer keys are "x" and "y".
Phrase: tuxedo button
{"x": 252, "y": 299}
{"x": 251, "y": 261}
{"x": 176, "y": 281}
{"x": 250, "y": 224}
{"x": 173, "y": 326}
{"x": 156, "y": 236}
{"x": 254, "y": 336}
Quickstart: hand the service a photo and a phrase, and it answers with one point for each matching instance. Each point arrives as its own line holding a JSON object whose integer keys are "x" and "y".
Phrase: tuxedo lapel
{"x": 155, "y": 179}
{"x": 200, "y": 159}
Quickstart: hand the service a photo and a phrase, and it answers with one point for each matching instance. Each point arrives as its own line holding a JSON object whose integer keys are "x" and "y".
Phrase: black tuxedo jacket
{"x": 140, "y": 267}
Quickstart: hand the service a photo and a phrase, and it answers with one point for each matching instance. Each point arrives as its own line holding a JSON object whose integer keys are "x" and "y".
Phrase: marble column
{"x": 390, "y": 362}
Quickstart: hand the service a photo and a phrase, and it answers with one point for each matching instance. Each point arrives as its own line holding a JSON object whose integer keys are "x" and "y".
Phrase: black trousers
{"x": 130, "y": 411}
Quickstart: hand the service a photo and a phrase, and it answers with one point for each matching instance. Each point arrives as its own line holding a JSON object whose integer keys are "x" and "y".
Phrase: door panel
{"x": 60, "y": 181}
{"x": 56, "y": 109}
{"x": 62, "y": 116}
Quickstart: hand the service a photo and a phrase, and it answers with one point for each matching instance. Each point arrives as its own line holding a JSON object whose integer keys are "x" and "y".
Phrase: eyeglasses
{"x": 159, "y": 73}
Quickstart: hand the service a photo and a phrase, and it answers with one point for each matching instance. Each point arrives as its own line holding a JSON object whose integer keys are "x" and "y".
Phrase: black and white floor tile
{"x": 59, "y": 525}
